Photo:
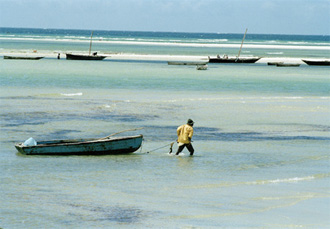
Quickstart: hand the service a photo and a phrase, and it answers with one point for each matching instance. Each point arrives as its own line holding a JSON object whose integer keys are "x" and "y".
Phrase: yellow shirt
{"x": 185, "y": 133}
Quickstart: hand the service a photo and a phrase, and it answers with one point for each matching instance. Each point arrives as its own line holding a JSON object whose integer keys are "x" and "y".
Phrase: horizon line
{"x": 163, "y": 31}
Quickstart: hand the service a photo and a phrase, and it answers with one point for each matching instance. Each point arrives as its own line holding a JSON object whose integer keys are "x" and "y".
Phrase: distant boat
{"x": 226, "y": 59}
{"x": 94, "y": 56}
{"x": 317, "y": 62}
{"x": 22, "y": 57}
{"x": 287, "y": 65}
{"x": 275, "y": 63}
{"x": 201, "y": 67}
{"x": 102, "y": 146}
{"x": 185, "y": 63}
{"x": 70, "y": 56}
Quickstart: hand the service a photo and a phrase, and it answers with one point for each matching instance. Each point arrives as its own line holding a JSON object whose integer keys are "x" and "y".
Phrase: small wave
{"x": 298, "y": 42}
{"x": 288, "y": 180}
{"x": 275, "y": 53}
{"x": 261, "y": 182}
{"x": 72, "y": 94}
{"x": 212, "y": 40}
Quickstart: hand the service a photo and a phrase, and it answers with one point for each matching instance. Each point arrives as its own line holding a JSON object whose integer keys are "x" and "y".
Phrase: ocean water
{"x": 261, "y": 135}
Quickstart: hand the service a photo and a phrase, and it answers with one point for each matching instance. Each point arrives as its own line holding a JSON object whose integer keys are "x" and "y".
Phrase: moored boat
{"x": 102, "y": 146}
{"x": 94, "y": 56}
{"x": 237, "y": 59}
{"x": 317, "y": 62}
{"x": 246, "y": 60}
{"x": 22, "y": 57}
{"x": 70, "y": 56}
{"x": 274, "y": 63}
{"x": 287, "y": 65}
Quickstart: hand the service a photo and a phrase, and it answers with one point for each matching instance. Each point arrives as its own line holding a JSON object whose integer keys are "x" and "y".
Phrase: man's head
{"x": 190, "y": 122}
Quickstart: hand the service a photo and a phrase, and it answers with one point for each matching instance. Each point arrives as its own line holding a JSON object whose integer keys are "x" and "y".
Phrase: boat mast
{"x": 90, "y": 44}
{"x": 239, "y": 53}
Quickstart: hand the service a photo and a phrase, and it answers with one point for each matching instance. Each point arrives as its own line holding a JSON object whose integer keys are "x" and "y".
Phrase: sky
{"x": 305, "y": 17}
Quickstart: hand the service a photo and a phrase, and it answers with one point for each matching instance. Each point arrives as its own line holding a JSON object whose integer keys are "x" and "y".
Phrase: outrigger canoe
{"x": 101, "y": 146}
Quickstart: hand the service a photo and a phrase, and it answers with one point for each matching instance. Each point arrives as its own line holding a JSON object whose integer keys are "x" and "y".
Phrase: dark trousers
{"x": 189, "y": 147}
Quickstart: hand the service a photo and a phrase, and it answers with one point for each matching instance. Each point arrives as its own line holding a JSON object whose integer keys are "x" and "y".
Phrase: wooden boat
{"x": 185, "y": 63}
{"x": 70, "y": 56}
{"x": 94, "y": 56}
{"x": 22, "y": 57}
{"x": 246, "y": 60}
{"x": 317, "y": 62}
{"x": 226, "y": 59}
{"x": 102, "y": 146}
{"x": 274, "y": 63}
{"x": 287, "y": 65}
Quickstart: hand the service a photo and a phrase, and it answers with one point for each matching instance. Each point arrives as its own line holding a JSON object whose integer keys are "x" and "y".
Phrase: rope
{"x": 171, "y": 144}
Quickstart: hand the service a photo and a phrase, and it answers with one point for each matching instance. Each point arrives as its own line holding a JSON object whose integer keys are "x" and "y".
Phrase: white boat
{"x": 201, "y": 67}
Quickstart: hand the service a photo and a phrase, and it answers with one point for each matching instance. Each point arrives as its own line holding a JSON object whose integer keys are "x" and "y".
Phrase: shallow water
{"x": 261, "y": 140}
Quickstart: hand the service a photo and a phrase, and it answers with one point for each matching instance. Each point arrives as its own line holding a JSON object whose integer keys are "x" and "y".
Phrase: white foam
{"x": 72, "y": 94}
{"x": 300, "y": 46}
{"x": 287, "y": 180}
{"x": 275, "y": 53}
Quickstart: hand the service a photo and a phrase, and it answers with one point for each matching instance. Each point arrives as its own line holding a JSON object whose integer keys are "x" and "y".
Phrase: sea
{"x": 261, "y": 133}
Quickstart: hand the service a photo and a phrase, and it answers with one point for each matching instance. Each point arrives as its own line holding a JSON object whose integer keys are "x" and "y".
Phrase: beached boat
{"x": 317, "y": 62}
{"x": 102, "y": 146}
{"x": 287, "y": 65}
{"x": 237, "y": 59}
{"x": 70, "y": 56}
{"x": 94, "y": 56}
{"x": 22, "y": 57}
{"x": 274, "y": 63}
{"x": 246, "y": 60}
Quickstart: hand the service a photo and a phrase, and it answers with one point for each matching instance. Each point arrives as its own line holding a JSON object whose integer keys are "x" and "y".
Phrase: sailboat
{"x": 226, "y": 59}
{"x": 94, "y": 56}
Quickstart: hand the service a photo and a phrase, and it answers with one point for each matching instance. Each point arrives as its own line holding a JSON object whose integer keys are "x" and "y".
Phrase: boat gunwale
{"x": 79, "y": 142}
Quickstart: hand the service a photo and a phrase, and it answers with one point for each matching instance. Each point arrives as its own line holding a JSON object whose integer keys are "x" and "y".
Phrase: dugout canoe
{"x": 102, "y": 146}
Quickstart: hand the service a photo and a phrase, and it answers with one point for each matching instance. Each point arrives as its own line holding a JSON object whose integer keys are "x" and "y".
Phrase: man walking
{"x": 185, "y": 133}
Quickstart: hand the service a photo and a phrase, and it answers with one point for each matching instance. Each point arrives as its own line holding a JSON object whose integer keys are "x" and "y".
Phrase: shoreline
{"x": 149, "y": 57}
